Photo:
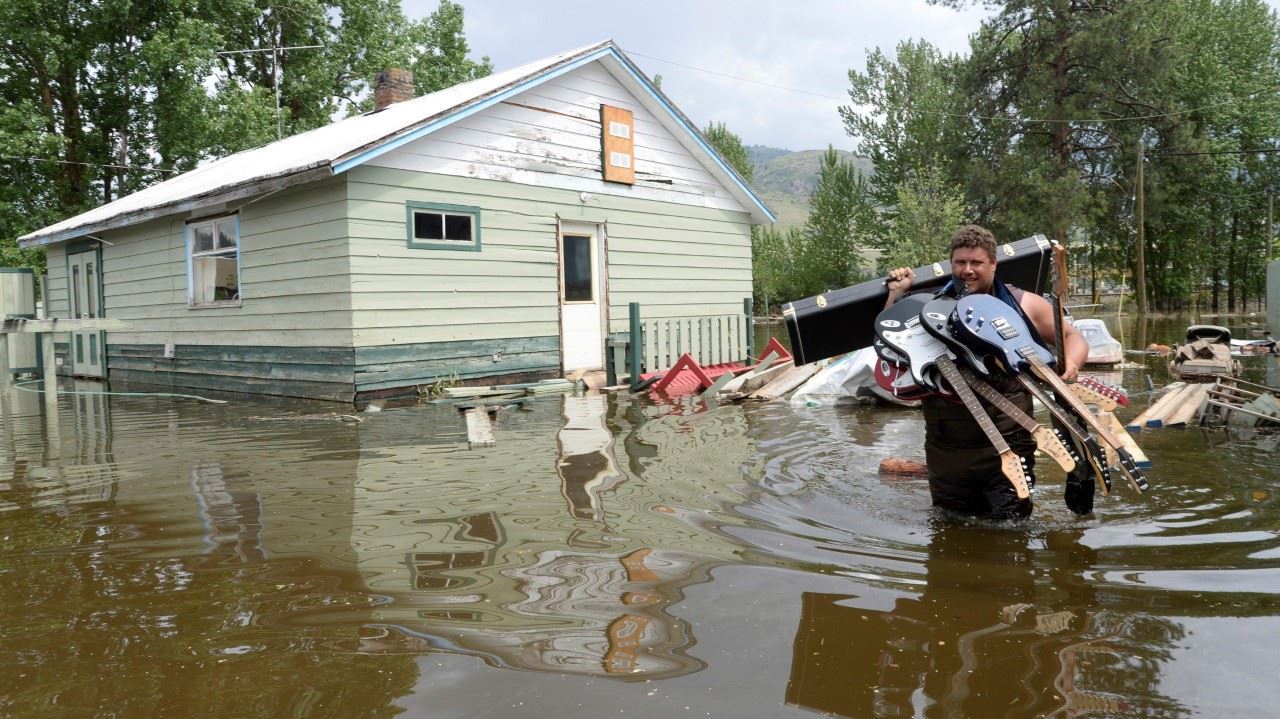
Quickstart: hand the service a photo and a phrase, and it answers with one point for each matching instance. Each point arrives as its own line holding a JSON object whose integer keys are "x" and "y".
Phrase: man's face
{"x": 974, "y": 267}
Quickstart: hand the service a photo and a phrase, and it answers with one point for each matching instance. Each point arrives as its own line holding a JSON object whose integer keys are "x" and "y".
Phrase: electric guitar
{"x": 989, "y": 326}
{"x": 935, "y": 315}
{"x": 899, "y": 327}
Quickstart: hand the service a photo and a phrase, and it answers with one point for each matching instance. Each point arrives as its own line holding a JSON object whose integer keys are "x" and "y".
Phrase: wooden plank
{"x": 1141, "y": 420}
{"x": 479, "y": 428}
{"x": 1118, "y": 429}
{"x": 758, "y": 376}
{"x": 1157, "y": 419}
{"x": 618, "y": 145}
{"x": 1191, "y": 407}
{"x": 790, "y": 379}
{"x": 21, "y": 326}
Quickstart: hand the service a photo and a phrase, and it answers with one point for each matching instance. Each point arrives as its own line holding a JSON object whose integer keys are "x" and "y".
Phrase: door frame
{"x": 599, "y": 273}
{"x": 98, "y": 337}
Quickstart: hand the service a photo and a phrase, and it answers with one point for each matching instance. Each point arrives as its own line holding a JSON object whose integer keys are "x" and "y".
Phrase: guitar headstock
{"x": 1114, "y": 393}
{"x": 1089, "y": 395}
{"x": 1014, "y": 468}
{"x": 1098, "y": 460}
{"x": 1059, "y": 269}
{"x": 1050, "y": 442}
{"x": 1071, "y": 446}
{"x": 1130, "y": 468}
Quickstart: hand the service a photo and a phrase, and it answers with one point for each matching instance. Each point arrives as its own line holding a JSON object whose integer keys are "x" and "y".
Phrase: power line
{"x": 1218, "y": 152}
{"x": 266, "y": 49}
{"x": 86, "y": 164}
{"x": 992, "y": 118}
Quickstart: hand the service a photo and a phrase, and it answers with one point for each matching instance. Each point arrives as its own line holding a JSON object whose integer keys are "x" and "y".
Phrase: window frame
{"x": 192, "y": 256}
{"x": 413, "y": 207}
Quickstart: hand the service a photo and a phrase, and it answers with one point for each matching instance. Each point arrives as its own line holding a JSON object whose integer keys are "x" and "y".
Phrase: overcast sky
{"x": 807, "y": 46}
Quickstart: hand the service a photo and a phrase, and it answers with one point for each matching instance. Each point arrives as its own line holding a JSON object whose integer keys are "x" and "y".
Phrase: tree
{"x": 902, "y": 115}
{"x": 841, "y": 210}
{"x": 928, "y": 211}
{"x": 105, "y": 98}
{"x": 441, "y": 51}
{"x": 730, "y": 148}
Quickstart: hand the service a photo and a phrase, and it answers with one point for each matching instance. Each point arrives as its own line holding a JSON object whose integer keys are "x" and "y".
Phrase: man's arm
{"x": 1040, "y": 313}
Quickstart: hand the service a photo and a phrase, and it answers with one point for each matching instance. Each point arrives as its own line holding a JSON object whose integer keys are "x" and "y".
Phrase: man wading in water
{"x": 964, "y": 469}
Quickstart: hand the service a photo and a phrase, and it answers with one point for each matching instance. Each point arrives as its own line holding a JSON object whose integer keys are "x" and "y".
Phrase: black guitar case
{"x": 843, "y": 320}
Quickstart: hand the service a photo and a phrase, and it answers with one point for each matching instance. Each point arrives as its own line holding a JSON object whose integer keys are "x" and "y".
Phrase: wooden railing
{"x": 654, "y": 345}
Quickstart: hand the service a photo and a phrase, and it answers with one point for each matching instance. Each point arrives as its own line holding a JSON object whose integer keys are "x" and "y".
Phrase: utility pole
{"x": 1271, "y": 214}
{"x": 1140, "y": 271}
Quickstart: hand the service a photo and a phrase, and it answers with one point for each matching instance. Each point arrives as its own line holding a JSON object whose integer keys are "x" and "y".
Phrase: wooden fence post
{"x": 635, "y": 346}
{"x": 751, "y": 331}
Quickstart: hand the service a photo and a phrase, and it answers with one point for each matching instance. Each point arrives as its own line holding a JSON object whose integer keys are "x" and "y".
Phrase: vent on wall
{"x": 618, "y": 145}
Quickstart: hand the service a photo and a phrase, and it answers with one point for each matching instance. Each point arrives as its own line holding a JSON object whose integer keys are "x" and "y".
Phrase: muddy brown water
{"x": 610, "y": 556}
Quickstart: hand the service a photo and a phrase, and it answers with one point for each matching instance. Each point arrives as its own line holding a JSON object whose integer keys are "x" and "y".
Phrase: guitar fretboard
{"x": 952, "y": 374}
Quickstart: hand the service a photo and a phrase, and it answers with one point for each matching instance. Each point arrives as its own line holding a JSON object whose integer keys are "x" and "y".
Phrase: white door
{"x": 581, "y": 298}
{"x": 86, "y": 348}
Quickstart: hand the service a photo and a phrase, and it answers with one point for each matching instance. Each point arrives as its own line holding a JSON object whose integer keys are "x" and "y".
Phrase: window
{"x": 213, "y": 254}
{"x": 578, "y": 285}
{"x": 443, "y": 227}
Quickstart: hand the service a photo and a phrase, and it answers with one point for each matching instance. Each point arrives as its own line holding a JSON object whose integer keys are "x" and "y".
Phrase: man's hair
{"x": 974, "y": 236}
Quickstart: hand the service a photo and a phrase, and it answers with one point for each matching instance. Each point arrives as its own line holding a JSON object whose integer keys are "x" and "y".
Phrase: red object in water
{"x": 687, "y": 377}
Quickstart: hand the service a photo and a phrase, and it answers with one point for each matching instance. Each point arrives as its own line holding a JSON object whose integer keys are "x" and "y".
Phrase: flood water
{"x": 610, "y": 556}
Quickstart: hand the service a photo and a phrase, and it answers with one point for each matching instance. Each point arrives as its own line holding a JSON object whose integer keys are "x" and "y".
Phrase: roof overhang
{"x": 608, "y": 54}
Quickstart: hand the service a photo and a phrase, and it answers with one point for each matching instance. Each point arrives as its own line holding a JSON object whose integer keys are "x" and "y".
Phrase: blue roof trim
{"x": 479, "y": 106}
{"x": 538, "y": 79}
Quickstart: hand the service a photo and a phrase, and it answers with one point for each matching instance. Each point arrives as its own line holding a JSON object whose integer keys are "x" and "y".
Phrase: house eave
{"x": 219, "y": 196}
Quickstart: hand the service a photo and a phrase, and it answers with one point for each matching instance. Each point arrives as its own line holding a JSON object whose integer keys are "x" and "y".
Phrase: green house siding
{"x": 676, "y": 260}
{"x": 293, "y": 315}
{"x": 335, "y": 302}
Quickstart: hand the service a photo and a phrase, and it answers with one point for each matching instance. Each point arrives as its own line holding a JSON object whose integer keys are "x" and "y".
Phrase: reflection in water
{"x": 565, "y": 561}
{"x": 290, "y": 565}
{"x": 991, "y": 634}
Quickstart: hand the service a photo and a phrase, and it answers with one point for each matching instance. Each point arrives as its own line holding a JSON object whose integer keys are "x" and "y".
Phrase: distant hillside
{"x": 785, "y": 179}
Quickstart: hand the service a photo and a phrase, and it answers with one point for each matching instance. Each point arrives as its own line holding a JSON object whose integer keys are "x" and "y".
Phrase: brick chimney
{"x": 391, "y": 86}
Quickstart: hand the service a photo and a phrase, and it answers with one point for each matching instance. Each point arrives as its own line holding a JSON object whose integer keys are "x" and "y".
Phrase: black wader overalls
{"x": 964, "y": 469}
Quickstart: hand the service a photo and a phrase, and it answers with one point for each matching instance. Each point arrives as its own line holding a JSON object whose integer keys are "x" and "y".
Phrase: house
{"x": 497, "y": 229}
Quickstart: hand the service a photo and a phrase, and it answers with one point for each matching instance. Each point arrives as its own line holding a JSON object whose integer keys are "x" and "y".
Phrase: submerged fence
{"x": 654, "y": 345}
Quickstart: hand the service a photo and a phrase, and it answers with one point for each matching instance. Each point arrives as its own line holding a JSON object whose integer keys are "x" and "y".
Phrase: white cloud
{"x": 809, "y": 46}
{"x": 806, "y": 46}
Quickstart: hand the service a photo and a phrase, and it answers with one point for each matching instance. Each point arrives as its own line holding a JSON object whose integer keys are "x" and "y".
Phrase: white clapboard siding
{"x": 549, "y": 136}
{"x": 701, "y": 265}
{"x": 294, "y": 277}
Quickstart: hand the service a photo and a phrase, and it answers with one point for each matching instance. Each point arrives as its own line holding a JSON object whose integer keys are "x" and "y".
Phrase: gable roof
{"x": 337, "y": 147}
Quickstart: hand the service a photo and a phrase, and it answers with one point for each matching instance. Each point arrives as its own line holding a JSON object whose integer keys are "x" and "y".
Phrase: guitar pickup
{"x": 1004, "y": 329}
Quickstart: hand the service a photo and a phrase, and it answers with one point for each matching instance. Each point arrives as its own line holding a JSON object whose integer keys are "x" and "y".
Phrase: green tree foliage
{"x": 105, "y": 97}
{"x": 841, "y": 211}
{"x": 1038, "y": 130}
{"x": 902, "y": 115}
{"x": 928, "y": 211}
{"x": 730, "y": 148}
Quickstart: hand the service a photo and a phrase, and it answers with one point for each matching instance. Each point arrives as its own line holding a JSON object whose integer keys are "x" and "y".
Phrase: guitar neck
{"x": 1100, "y": 470}
{"x": 1002, "y": 403}
{"x": 951, "y": 373}
{"x": 1059, "y": 304}
{"x": 1064, "y": 393}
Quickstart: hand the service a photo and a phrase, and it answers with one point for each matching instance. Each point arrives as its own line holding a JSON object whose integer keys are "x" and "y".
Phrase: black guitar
{"x": 935, "y": 316}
